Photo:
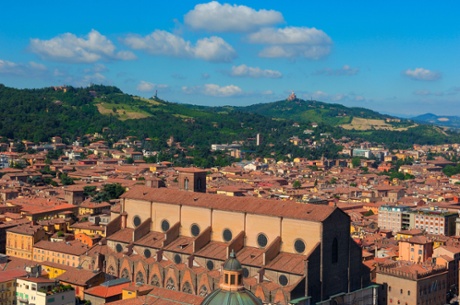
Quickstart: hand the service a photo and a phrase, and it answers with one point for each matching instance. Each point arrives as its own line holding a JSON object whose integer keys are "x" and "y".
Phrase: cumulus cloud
{"x": 164, "y": 43}
{"x": 422, "y": 74}
{"x": 217, "y": 17}
{"x": 255, "y": 72}
{"x": 345, "y": 70}
{"x": 214, "y": 90}
{"x": 29, "y": 69}
{"x": 291, "y": 42}
{"x": 145, "y": 86}
{"x": 70, "y": 48}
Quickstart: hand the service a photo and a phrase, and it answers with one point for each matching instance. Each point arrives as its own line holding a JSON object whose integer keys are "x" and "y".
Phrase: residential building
{"x": 416, "y": 249}
{"x": 8, "y": 285}
{"x": 394, "y": 217}
{"x": 65, "y": 253}
{"x": 21, "y": 239}
{"x": 412, "y": 284}
{"x": 106, "y": 292}
{"x": 40, "y": 290}
{"x": 434, "y": 220}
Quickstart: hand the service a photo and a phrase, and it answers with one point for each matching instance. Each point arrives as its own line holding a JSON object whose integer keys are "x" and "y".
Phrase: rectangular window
{"x": 232, "y": 279}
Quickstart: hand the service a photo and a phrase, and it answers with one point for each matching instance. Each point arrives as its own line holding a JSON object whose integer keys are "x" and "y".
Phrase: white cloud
{"x": 30, "y": 69}
{"x": 164, "y": 43}
{"x": 291, "y": 42}
{"x": 144, "y": 86}
{"x": 214, "y": 49}
{"x": 70, "y": 48}
{"x": 214, "y": 90}
{"x": 255, "y": 72}
{"x": 422, "y": 74}
{"x": 345, "y": 70}
{"x": 217, "y": 17}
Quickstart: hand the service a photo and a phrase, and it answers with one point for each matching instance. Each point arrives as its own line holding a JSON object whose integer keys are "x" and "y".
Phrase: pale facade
{"x": 287, "y": 250}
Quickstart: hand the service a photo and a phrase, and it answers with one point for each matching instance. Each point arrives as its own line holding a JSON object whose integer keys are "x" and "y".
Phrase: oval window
{"x": 165, "y": 225}
{"x": 136, "y": 221}
{"x": 227, "y": 235}
{"x": 262, "y": 240}
{"x": 195, "y": 230}
{"x": 299, "y": 246}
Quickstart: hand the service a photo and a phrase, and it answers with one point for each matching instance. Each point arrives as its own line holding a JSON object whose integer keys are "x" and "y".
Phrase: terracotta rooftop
{"x": 215, "y": 250}
{"x": 123, "y": 235}
{"x": 236, "y": 204}
{"x": 77, "y": 276}
{"x": 288, "y": 262}
{"x": 152, "y": 240}
{"x": 26, "y": 229}
{"x": 73, "y": 247}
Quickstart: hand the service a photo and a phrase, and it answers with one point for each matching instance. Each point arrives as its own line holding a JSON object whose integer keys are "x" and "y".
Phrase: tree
{"x": 356, "y": 162}
{"x": 89, "y": 191}
{"x": 66, "y": 180}
{"x": 296, "y": 184}
{"x": 109, "y": 192}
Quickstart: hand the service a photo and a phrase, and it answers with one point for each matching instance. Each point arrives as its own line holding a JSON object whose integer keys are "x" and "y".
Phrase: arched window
{"x": 140, "y": 278}
{"x": 187, "y": 288}
{"x": 155, "y": 281}
{"x": 335, "y": 251}
{"x": 186, "y": 184}
{"x": 125, "y": 274}
{"x": 203, "y": 291}
{"x": 111, "y": 271}
{"x": 170, "y": 284}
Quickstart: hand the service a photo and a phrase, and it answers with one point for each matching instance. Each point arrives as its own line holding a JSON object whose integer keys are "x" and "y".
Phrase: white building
{"x": 34, "y": 289}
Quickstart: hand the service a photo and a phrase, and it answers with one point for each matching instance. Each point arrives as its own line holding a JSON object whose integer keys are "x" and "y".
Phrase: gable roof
{"x": 250, "y": 205}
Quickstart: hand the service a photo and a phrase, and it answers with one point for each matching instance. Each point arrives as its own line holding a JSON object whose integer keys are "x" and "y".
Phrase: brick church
{"x": 179, "y": 239}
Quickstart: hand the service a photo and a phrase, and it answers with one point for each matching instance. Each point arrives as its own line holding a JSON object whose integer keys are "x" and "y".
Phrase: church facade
{"x": 179, "y": 239}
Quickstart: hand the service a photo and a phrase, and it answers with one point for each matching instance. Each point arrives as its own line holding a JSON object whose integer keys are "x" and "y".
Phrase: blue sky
{"x": 397, "y": 57}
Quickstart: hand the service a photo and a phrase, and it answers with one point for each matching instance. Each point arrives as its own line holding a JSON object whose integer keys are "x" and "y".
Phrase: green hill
{"x": 39, "y": 114}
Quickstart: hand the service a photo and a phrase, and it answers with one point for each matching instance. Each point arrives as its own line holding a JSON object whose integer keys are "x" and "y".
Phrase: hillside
{"x": 39, "y": 114}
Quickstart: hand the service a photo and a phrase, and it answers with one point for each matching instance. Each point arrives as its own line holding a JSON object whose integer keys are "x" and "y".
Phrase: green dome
{"x": 232, "y": 264}
{"x": 221, "y": 297}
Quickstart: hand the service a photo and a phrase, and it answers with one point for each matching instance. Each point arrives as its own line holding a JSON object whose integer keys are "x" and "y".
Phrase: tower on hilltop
{"x": 291, "y": 97}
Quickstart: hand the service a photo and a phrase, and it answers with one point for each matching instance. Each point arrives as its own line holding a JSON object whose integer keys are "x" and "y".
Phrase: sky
{"x": 395, "y": 57}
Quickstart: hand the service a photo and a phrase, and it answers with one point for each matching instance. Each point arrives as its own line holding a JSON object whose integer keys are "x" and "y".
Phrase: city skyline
{"x": 398, "y": 58}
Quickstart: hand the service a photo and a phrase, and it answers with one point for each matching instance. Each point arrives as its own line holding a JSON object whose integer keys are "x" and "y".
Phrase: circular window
{"x": 299, "y": 246}
{"x": 195, "y": 230}
{"x": 245, "y": 272}
{"x": 210, "y": 265}
{"x": 136, "y": 221}
{"x": 165, "y": 225}
{"x": 177, "y": 259}
{"x": 227, "y": 235}
{"x": 262, "y": 240}
{"x": 119, "y": 248}
{"x": 147, "y": 253}
{"x": 283, "y": 280}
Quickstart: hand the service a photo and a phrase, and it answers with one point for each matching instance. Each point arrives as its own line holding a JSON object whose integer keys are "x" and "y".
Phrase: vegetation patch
{"x": 375, "y": 124}
{"x": 121, "y": 111}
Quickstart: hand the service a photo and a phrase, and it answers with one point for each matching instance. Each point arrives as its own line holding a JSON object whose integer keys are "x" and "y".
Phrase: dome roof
{"x": 232, "y": 264}
{"x": 222, "y": 297}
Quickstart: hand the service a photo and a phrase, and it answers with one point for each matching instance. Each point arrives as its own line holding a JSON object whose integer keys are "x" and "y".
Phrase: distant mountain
{"x": 430, "y": 118}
